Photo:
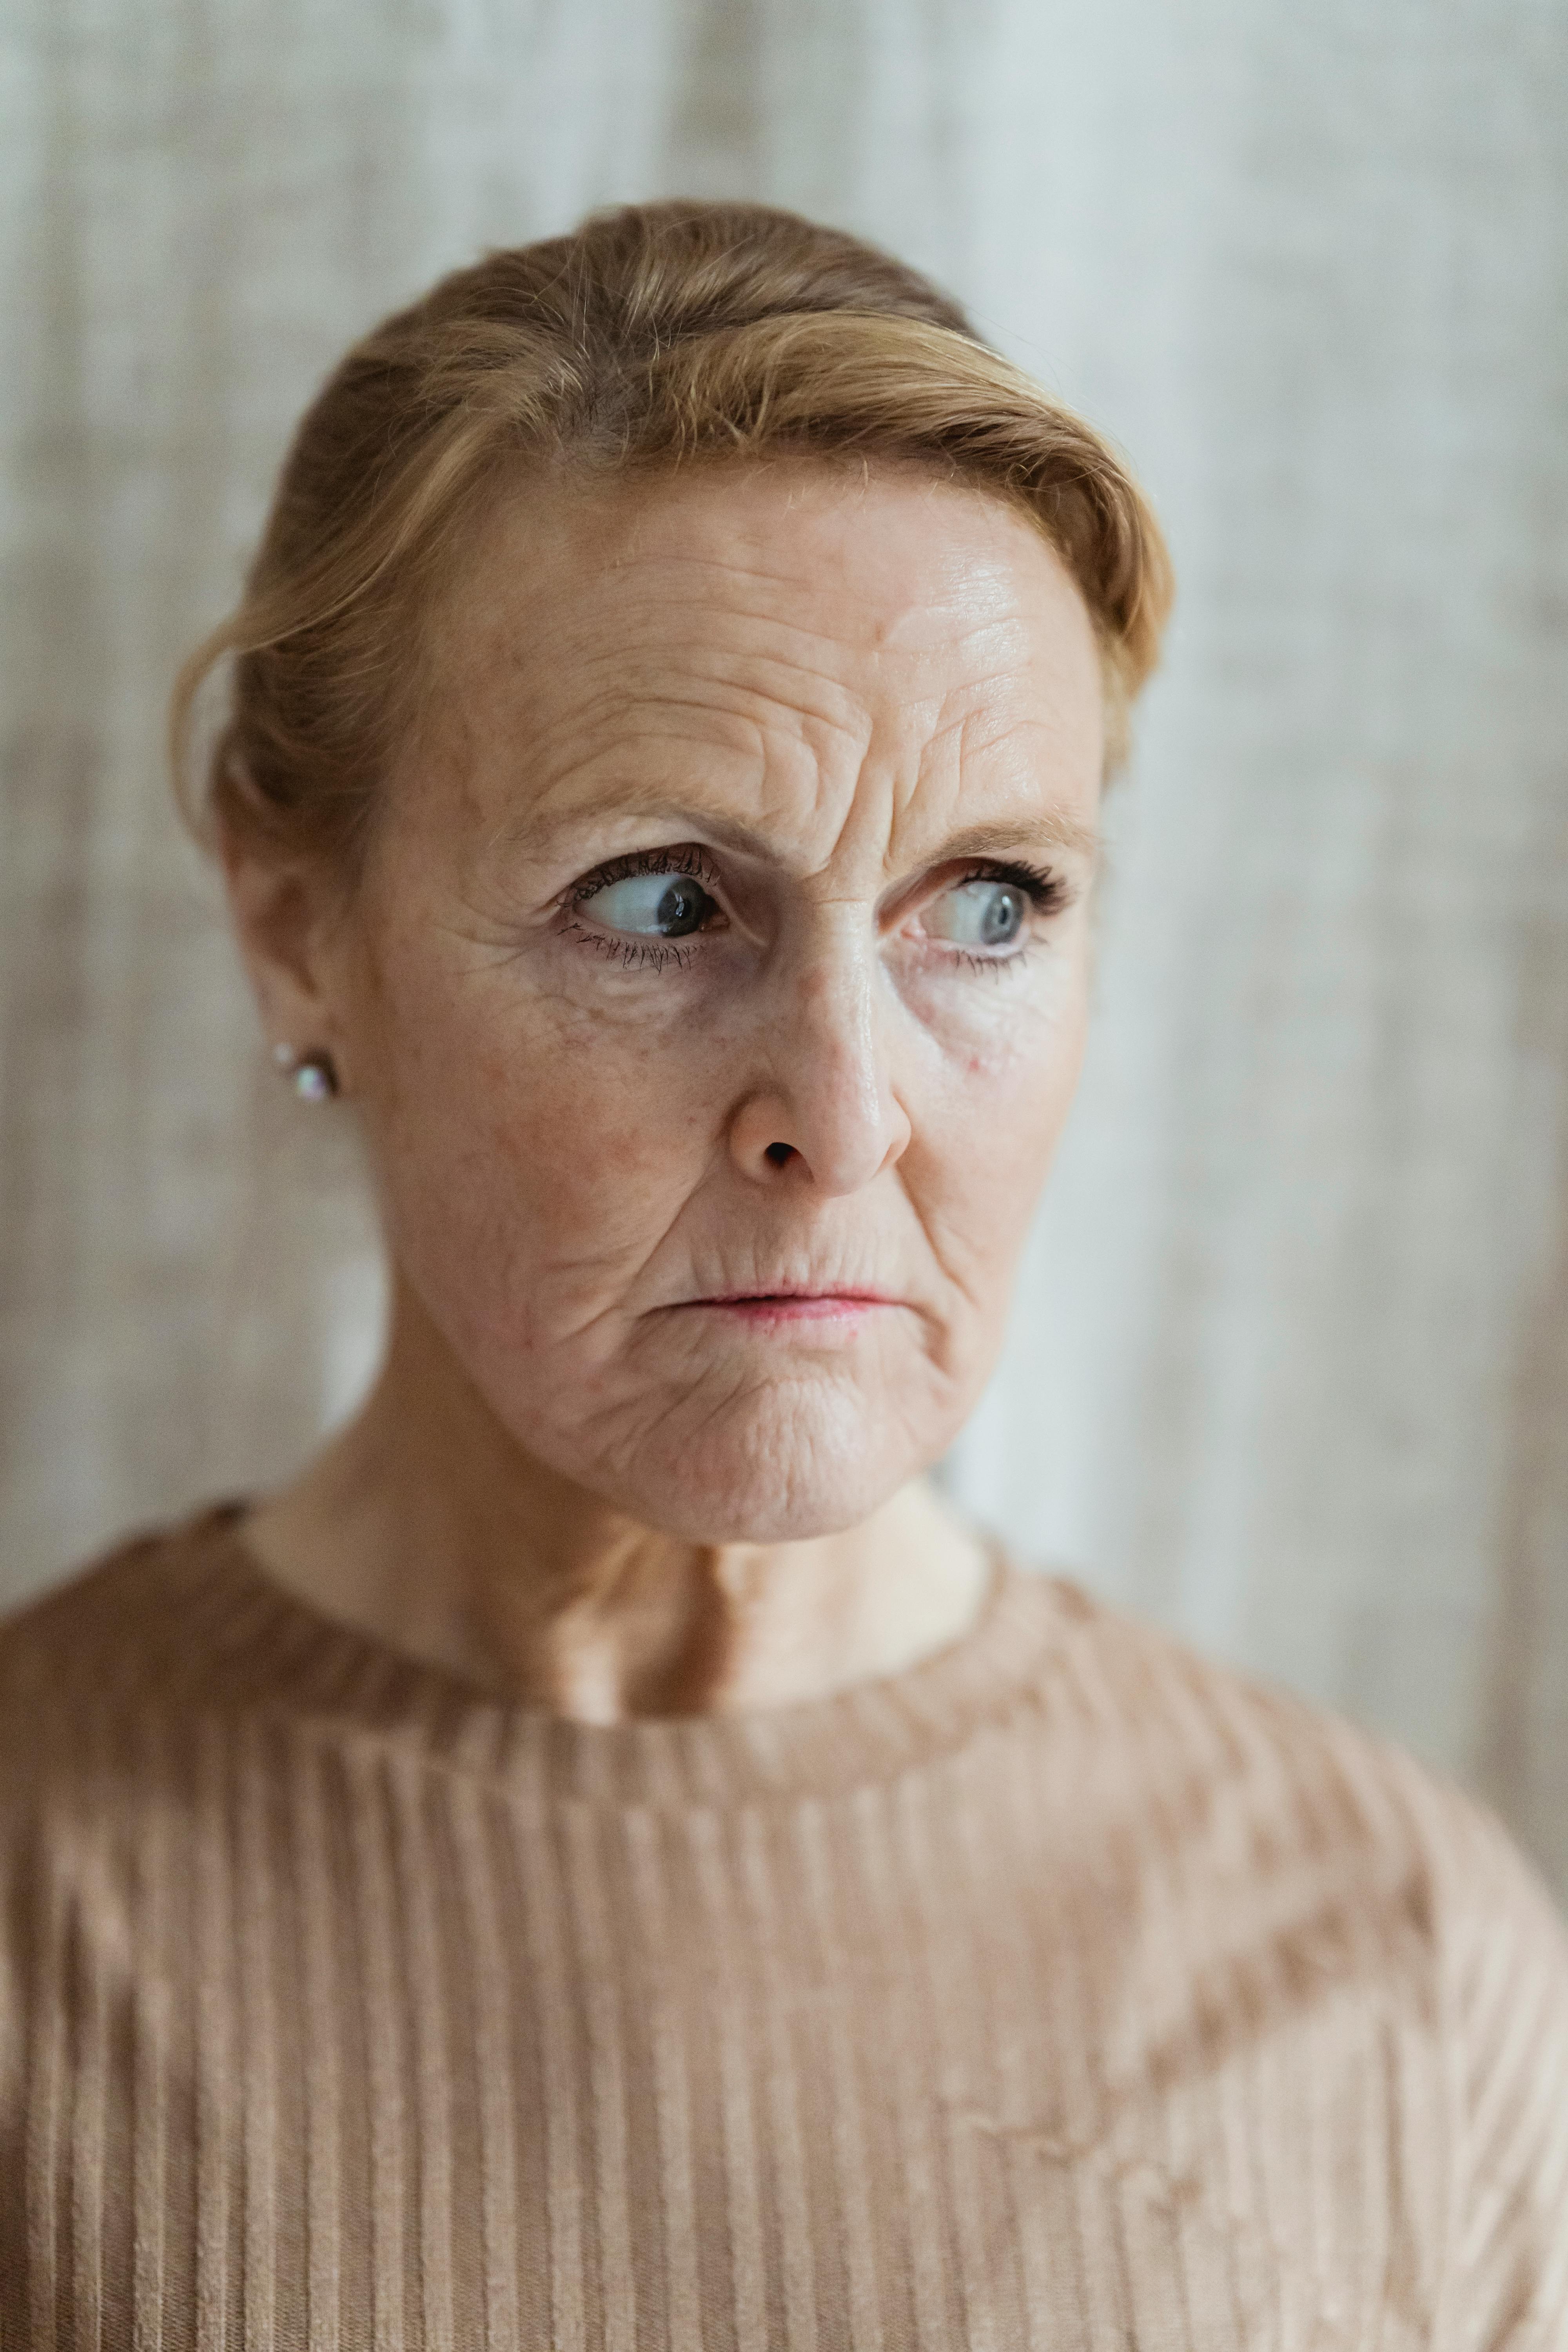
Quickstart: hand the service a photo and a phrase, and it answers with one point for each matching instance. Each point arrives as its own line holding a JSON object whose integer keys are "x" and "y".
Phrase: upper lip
{"x": 731, "y": 1298}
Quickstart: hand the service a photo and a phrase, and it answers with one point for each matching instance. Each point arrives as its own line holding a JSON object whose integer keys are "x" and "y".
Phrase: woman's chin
{"x": 763, "y": 1481}
{"x": 751, "y": 1517}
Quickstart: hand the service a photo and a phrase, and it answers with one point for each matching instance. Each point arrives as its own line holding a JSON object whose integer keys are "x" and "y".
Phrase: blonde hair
{"x": 653, "y": 336}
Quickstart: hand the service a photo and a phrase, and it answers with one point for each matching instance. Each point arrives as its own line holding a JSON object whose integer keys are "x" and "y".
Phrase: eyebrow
{"x": 1044, "y": 829}
{"x": 1050, "y": 829}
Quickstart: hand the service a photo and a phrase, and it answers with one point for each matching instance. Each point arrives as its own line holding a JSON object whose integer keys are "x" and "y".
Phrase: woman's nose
{"x": 824, "y": 1111}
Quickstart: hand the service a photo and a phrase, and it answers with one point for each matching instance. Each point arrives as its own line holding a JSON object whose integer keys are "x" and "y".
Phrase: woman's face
{"x": 715, "y": 991}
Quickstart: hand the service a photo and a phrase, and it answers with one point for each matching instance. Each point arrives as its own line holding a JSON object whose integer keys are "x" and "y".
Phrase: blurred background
{"x": 1290, "y": 1368}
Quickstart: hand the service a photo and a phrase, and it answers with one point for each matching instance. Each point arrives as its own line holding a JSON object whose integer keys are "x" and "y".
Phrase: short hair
{"x": 653, "y": 337}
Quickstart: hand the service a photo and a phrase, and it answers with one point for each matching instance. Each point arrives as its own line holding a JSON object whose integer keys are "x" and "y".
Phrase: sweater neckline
{"x": 247, "y": 1638}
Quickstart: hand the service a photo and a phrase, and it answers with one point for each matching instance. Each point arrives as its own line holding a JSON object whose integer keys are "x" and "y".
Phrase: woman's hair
{"x": 654, "y": 336}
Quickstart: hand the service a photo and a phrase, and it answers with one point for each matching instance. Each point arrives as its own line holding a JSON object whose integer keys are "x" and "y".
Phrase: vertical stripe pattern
{"x": 1062, "y": 1993}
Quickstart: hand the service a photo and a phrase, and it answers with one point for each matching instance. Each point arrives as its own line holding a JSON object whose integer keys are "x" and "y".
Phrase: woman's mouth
{"x": 778, "y": 1309}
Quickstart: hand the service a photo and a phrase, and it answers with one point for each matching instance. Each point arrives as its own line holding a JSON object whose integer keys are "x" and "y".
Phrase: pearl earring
{"x": 313, "y": 1077}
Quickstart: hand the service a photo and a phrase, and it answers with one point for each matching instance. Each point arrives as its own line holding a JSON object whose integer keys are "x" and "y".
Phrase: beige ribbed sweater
{"x": 1063, "y": 1991}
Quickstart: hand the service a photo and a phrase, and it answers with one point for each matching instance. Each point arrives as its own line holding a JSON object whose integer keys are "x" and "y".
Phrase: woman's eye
{"x": 979, "y": 914}
{"x": 652, "y": 906}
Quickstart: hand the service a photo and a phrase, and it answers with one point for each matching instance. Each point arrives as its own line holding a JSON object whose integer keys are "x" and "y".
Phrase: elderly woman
{"x": 606, "y": 1859}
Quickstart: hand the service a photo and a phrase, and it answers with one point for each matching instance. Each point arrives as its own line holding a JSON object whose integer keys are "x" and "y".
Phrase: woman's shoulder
{"x": 106, "y": 1632}
{"x": 1239, "y": 1784}
{"x": 1296, "y": 1878}
{"x": 176, "y": 1549}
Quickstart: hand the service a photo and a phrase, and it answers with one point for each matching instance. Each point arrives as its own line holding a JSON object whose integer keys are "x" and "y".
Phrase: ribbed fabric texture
{"x": 1063, "y": 1992}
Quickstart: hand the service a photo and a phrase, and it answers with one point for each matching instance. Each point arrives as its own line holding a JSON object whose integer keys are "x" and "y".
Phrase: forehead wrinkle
{"x": 619, "y": 571}
{"x": 615, "y": 685}
{"x": 1035, "y": 735}
{"x": 968, "y": 728}
{"x": 906, "y": 783}
{"x": 785, "y": 654}
{"x": 687, "y": 812}
{"x": 773, "y": 690}
{"x": 884, "y": 640}
{"x": 962, "y": 575}
{"x": 657, "y": 726}
{"x": 623, "y": 794}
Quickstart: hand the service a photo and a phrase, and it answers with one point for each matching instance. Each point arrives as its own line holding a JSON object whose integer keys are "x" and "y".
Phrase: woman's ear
{"x": 287, "y": 915}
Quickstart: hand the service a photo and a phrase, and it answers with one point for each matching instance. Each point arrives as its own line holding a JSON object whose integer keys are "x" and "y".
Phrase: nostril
{"x": 781, "y": 1154}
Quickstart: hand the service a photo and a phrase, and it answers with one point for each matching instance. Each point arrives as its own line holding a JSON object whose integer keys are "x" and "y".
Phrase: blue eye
{"x": 979, "y": 914}
{"x": 651, "y": 905}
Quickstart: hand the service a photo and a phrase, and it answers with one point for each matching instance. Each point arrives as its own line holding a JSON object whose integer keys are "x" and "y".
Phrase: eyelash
{"x": 1046, "y": 892}
{"x": 636, "y": 955}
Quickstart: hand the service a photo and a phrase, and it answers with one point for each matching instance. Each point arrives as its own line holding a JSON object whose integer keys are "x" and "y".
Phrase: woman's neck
{"x": 424, "y": 1525}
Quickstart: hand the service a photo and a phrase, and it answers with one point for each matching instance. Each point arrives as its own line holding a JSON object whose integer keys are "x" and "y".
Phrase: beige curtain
{"x": 1290, "y": 1364}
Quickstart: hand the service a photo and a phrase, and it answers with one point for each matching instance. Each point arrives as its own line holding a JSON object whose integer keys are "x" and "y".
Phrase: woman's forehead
{"x": 894, "y": 564}
{"x": 771, "y": 637}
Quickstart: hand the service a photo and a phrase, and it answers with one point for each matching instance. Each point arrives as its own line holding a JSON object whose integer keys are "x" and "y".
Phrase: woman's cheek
{"x": 1007, "y": 1029}
{"x": 510, "y": 1120}
{"x": 589, "y": 1122}
{"x": 1005, "y": 1092}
